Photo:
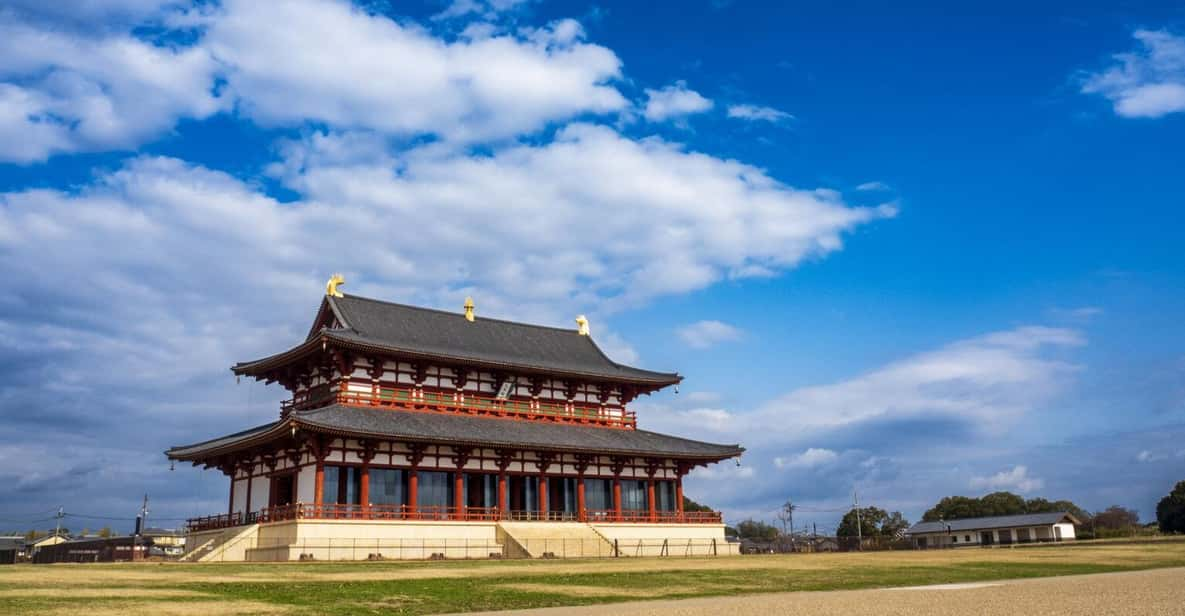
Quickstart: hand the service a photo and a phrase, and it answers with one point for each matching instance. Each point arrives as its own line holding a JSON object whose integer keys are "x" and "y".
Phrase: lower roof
{"x": 446, "y": 428}
{"x": 1003, "y": 521}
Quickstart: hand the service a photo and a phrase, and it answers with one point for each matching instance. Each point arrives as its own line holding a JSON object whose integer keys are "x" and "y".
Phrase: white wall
{"x": 240, "y": 491}
{"x": 259, "y": 493}
{"x": 306, "y": 484}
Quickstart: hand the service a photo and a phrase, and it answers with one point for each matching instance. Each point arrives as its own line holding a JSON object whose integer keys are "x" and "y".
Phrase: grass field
{"x": 437, "y": 587}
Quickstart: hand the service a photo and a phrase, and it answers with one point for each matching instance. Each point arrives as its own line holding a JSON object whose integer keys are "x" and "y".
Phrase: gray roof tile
{"x": 424, "y": 332}
{"x": 424, "y": 426}
{"x": 1005, "y": 521}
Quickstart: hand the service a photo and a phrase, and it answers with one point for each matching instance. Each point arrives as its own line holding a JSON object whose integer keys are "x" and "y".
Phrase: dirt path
{"x": 1158, "y": 591}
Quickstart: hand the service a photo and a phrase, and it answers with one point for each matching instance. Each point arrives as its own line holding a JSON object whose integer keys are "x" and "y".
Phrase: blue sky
{"x": 908, "y": 252}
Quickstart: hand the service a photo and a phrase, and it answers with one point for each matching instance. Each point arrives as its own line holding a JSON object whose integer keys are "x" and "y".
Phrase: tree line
{"x": 881, "y": 525}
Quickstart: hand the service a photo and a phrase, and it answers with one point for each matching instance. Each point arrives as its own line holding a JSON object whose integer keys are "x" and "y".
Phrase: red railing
{"x": 465, "y": 403}
{"x": 284, "y": 513}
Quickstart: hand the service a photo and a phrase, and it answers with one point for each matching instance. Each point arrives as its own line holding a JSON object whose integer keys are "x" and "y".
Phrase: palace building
{"x": 420, "y": 433}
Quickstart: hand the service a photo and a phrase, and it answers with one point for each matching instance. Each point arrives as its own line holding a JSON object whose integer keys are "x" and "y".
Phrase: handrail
{"x": 334, "y": 511}
{"x": 464, "y": 402}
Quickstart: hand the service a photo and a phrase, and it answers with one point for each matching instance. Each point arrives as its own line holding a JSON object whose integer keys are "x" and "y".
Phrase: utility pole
{"x": 141, "y": 522}
{"x": 58, "y": 531}
{"x": 859, "y": 525}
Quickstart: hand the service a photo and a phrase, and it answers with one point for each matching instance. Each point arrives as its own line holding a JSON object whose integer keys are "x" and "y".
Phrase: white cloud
{"x": 991, "y": 380}
{"x": 1148, "y": 456}
{"x": 288, "y": 64}
{"x": 326, "y": 61}
{"x": 758, "y": 113}
{"x": 69, "y": 93}
{"x": 873, "y": 186}
{"x": 95, "y": 12}
{"x": 810, "y": 458}
{"x": 486, "y": 9}
{"x": 597, "y": 219}
{"x": 171, "y": 270}
{"x": 1017, "y": 479}
{"x": 674, "y": 101}
{"x": 707, "y": 334}
{"x": 1148, "y": 82}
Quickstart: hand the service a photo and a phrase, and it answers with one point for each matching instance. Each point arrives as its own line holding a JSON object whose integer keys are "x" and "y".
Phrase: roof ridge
{"x": 458, "y": 314}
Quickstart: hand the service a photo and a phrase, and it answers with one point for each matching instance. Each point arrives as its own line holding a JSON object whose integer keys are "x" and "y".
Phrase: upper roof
{"x": 1003, "y": 521}
{"x": 418, "y": 332}
{"x": 446, "y": 428}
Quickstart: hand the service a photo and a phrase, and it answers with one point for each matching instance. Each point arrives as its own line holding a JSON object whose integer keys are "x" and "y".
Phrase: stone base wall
{"x": 363, "y": 540}
{"x": 331, "y": 540}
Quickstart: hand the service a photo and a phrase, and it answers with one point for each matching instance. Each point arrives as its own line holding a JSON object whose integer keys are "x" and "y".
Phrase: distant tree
{"x": 1002, "y": 503}
{"x": 996, "y": 504}
{"x": 954, "y": 508}
{"x": 1061, "y": 505}
{"x": 105, "y": 532}
{"x": 1116, "y": 518}
{"x": 690, "y": 505}
{"x": 895, "y": 525}
{"x": 760, "y": 531}
{"x": 871, "y": 519}
{"x": 1170, "y": 511}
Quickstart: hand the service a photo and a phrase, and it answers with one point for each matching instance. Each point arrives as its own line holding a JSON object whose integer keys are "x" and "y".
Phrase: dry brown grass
{"x": 166, "y": 574}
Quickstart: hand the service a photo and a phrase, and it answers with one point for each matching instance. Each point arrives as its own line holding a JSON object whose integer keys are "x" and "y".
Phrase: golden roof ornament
{"x": 334, "y": 282}
{"x": 469, "y": 306}
{"x": 582, "y": 324}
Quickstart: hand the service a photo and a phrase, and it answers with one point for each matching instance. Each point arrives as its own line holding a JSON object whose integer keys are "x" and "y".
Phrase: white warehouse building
{"x": 999, "y": 530}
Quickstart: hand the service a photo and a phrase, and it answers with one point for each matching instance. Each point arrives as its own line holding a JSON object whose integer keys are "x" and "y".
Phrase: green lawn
{"x": 426, "y": 588}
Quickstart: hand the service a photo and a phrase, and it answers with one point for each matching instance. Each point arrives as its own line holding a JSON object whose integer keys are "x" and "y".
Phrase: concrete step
{"x": 552, "y": 540}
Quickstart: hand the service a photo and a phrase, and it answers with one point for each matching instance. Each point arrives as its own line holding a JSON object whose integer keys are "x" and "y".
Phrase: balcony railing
{"x": 283, "y": 513}
{"x": 465, "y": 403}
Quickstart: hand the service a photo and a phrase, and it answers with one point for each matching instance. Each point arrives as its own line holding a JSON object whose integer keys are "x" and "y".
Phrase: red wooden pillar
{"x": 413, "y": 491}
{"x": 650, "y": 503}
{"x": 580, "y": 515}
{"x": 616, "y": 498}
{"x": 503, "y": 506}
{"x": 543, "y": 496}
{"x": 459, "y": 495}
{"x": 319, "y": 487}
{"x": 679, "y": 495}
{"x": 364, "y": 490}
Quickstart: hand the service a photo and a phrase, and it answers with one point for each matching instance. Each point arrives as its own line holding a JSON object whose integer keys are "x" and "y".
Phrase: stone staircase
{"x": 229, "y": 544}
{"x": 552, "y": 540}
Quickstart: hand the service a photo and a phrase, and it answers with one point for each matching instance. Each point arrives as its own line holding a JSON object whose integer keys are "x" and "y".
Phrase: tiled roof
{"x": 426, "y": 333}
{"x": 1005, "y": 521}
{"x": 447, "y": 428}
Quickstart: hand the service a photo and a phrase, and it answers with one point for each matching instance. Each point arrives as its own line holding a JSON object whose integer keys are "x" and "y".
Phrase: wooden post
{"x": 503, "y": 506}
{"x": 543, "y": 496}
{"x": 230, "y": 512}
{"x": 617, "y": 498}
{"x": 413, "y": 490}
{"x": 364, "y": 490}
{"x": 650, "y": 503}
{"x": 459, "y": 495}
{"x": 319, "y": 486}
{"x": 679, "y": 495}
{"x": 580, "y": 514}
